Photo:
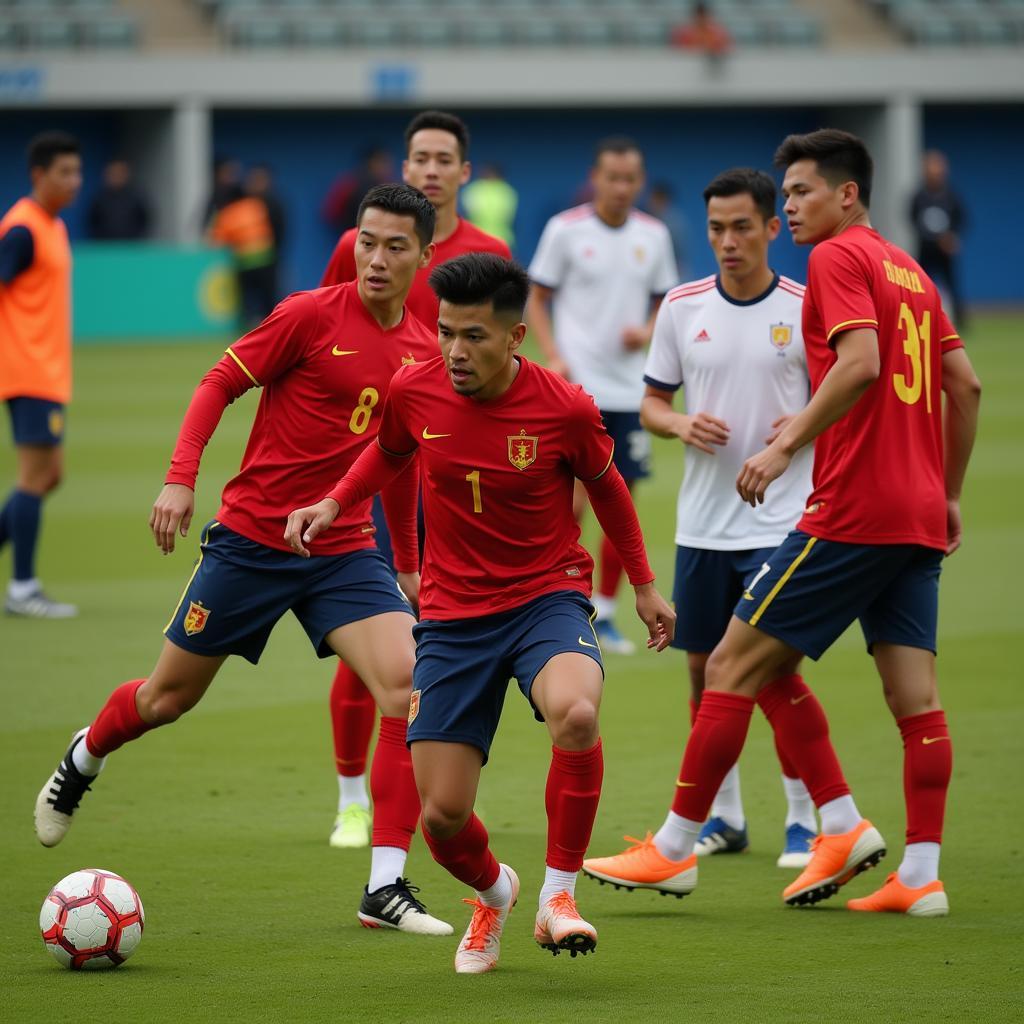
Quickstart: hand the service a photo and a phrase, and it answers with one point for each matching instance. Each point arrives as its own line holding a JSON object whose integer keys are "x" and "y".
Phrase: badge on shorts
{"x": 781, "y": 335}
{"x": 414, "y": 705}
{"x": 56, "y": 423}
{"x": 522, "y": 449}
{"x": 196, "y": 618}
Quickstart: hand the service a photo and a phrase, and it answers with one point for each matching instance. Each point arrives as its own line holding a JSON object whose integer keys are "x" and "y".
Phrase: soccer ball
{"x": 92, "y": 919}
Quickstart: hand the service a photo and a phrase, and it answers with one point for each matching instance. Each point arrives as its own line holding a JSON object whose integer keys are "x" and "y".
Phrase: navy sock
{"x": 24, "y": 512}
{"x": 5, "y": 522}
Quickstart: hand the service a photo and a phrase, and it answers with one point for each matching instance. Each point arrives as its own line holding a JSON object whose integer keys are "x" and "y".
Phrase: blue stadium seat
{"x": 645, "y": 31}
{"x": 540, "y": 32}
{"x": 48, "y": 34}
{"x": 319, "y": 30}
{"x": 376, "y": 33}
{"x": 111, "y": 32}
{"x": 485, "y": 32}
{"x": 592, "y": 31}
{"x": 258, "y": 32}
{"x": 431, "y": 32}
{"x": 8, "y": 35}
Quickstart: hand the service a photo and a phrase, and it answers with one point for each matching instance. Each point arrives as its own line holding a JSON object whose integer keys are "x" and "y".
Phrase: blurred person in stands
{"x": 35, "y": 356}
{"x": 259, "y": 183}
{"x": 437, "y": 163}
{"x": 344, "y": 196}
{"x": 119, "y": 212}
{"x": 938, "y": 216}
{"x": 602, "y": 268}
{"x": 227, "y": 180}
{"x": 490, "y": 203}
{"x": 243, "y": 225}
{"x": 703, "y": 33}
{"x": 661, "y": 203}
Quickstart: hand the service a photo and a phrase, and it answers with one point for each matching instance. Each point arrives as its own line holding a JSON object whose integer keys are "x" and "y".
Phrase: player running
{"x": 733, "y": 341}
{"x": 324, "y": 359}
{"x": 505, "y": 586}
{"x": 888, "y": 471}
{"x": 437, "y": 163}
{"x": 604, "y": 267}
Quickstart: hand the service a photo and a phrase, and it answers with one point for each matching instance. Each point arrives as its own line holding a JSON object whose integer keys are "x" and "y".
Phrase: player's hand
{"x": 759, "y": 471}
{"x": 556, "y": 364}
{"x": 778, "y": 426}
{"x": 409, "y": 583}
{"x": 954, "y": 525}
{"x": 702, "y": 430}
{"x": 657, "y": 615}
{"x": 306, "y": 524}
{"x": 635, "y": 338}
{"x": 172, "y": 511}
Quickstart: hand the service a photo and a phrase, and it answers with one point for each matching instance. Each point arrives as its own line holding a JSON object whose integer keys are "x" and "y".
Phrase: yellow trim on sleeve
{"x": 199, "y": 562}
{"x": 245, "y": 369}
{"x": 950, "y": 337}
{"x": 866, "y": 322}
{"x": 607, "y": 466}
{"x": 783, "y": 579}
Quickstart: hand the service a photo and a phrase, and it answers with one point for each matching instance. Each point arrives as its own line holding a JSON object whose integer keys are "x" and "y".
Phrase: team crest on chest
{"x": 408, "y": 358}
{"x": 196, "y": 618}
{"x": 522, "y": 449}
{"x": 781, "y": 335}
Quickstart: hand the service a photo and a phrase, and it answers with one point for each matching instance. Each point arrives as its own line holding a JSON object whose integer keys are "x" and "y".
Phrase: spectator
{"x": 259, "y": 184}
{"x": 938, "y": 217}
{"x": 491, "y": 202}
{"x": 227, "y": 180}
{"x": 703, "y": 33}
{"x": 344, "y": 196}
{"x": 661, "y": 204}
{"x": 119, "y": 211}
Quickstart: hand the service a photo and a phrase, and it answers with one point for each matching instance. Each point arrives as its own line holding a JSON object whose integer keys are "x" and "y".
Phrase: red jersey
{"x": 878, "y": 471}
{"x": 422, "y": 301}
{"x": 324, "y": 365}
{"x": 497, "y": 485}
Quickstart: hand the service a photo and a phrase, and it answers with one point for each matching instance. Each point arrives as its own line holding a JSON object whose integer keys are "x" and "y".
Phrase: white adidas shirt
{"x": 603, "y": 279}
{"x": 743, "y": 362}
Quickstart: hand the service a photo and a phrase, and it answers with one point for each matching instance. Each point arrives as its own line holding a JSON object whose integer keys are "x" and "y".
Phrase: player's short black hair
{"x": 616, "y": 144}
{"x": 406, "y": 201}
{"x": 46, "y": 147}
{"x": 478, "y": 277}
{"x": 840, "y": 157}
{"x": 442, "y": 121}
{"x": 739, "y": 181}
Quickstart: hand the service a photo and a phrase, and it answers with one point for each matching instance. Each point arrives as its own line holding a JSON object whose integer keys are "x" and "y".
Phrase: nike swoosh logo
{"x": 428, "y": 436}
{"x": 584, "y": 643}
{"x": 796, "y": 700}
{"x": 748, "y": 596}
{"x": 932, "y": 739}
{"x": 684, "y": 785}
{"x": 344, "y": 351}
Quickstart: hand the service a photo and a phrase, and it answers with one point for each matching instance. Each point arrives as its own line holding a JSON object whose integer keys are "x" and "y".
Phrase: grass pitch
{"x": 221, "y": 821}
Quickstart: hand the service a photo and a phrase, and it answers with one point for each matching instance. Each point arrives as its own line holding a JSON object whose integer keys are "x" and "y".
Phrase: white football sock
{"x": 728, "y": 803}
{"x": 920, "y": 865}
{"x": 556, "y": 881}
{"x": 604, "y": 606}
{"x": 352, "y": 790}
{"x": 18, "y": 590}
{"x": 677, "y": 837}
{"x": 839, "y": 816}
{"x": 386, "y": 864}
{"x": 801, "y": 806}
{"x": 498, "y": 895}
{"x": 86, "y": 763}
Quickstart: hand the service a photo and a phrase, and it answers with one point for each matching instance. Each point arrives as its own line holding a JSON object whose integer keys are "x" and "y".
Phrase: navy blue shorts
{"x": 463, "y": 667}
{"x": 632, "y": 455}
{"x": 36, "y": 421}
{"x": 813, "y": 589}
{"x": 239, "y": 590}
{"x": 707, "y": 586}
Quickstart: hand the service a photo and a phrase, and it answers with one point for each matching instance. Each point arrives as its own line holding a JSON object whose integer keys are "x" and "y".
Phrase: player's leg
{"x": 353, "y": 713}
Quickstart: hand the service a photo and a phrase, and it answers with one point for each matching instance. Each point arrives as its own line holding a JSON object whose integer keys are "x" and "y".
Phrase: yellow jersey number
{"x": 473, "y": 479}
{"x": 917, "y": 345}
{"x": 360, "y": 419}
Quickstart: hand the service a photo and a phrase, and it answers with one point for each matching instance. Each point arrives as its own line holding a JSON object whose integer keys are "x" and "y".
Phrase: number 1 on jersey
{"x": 474, "y": 480}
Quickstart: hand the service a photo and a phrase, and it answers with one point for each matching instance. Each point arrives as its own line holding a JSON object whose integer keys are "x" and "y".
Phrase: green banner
{"x": 140, "y": 290}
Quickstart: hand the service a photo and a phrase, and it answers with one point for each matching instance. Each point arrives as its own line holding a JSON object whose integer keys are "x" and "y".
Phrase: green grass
{"x": 221, "y": 822}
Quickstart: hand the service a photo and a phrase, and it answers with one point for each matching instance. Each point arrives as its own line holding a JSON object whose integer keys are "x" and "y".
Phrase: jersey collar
{"x": 747, "y": 302}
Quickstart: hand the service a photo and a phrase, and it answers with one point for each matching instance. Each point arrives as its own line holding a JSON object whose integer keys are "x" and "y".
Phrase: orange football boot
{"x": 896, "y": 898}
{"x": 641, "y": 866}
{"x": 834, "y": 861}
{"x": 559, "y": 926}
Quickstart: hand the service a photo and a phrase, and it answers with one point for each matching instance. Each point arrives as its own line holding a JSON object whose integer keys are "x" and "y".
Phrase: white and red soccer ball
{"x": 92, "y": 919}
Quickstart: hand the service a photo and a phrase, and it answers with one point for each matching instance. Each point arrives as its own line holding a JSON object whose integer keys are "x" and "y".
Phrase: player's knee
{"x": 444, "y": 818}
{"x": 163, "y": 705}
{"x": 722, "y": 672}
{"x": 575, "y": 727}
{"x": 53, "y": 481}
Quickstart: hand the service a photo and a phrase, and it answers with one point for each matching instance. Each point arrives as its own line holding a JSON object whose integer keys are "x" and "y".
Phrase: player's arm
{"x": 960, "y": 424}
{"x": 17, "y": 250}
{"x": 538, "y": 316}
{"x": 856, "y": 368}
{"x": 700, "y": 430}
{"x": 636, "y": 338}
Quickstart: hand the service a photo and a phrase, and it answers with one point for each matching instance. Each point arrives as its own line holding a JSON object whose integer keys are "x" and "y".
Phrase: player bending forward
{"x": 505, "y": 585}
{"x": 324, "y": 359}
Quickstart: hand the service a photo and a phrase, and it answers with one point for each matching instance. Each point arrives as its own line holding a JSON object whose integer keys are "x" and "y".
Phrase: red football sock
{"x": 784, "y": 762}
{"x": 610, "y": 575}
{"x": 801, "y": 731}
{"x": 117, "y": 723}
{"x": 715, "y": 743}
{"x": 927, "y": 767}
{"x": 352, "y": 714}
{"x": 466, "y": 855}
{"x": 571, "y": 798}
{"x": 396, "y": 802}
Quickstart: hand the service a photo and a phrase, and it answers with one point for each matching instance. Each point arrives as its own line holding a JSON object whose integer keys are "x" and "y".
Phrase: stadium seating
{"x": 46, "y": 25}
{"x": 955, "y": 22}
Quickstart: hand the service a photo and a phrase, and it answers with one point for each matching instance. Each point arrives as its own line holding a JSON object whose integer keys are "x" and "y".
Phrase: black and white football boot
{"x": 59, "y": 798}
{"x": 395, "y": 906}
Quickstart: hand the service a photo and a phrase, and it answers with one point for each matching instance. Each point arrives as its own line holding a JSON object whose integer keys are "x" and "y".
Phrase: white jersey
{"x": 604, "y": 279}
{"x": 743, "y": 362}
